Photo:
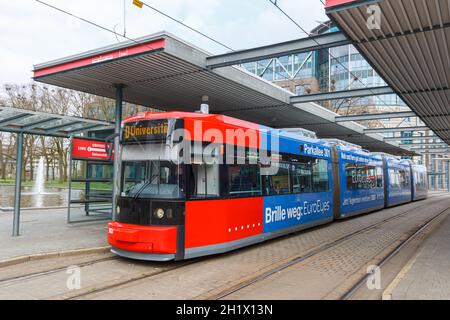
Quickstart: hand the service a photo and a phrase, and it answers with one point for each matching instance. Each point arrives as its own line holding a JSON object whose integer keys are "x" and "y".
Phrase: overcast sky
{"x": 32, "y": 33}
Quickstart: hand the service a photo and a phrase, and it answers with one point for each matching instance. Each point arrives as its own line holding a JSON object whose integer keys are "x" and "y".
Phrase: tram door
{"x": 336, "y": 182}
{"x": 206, "y": 180}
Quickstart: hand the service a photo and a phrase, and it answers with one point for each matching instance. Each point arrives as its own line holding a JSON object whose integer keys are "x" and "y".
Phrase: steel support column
{"x": 17, "y": 195}
{"x": 117, "y": 157}
{"x": 448, "y": 175}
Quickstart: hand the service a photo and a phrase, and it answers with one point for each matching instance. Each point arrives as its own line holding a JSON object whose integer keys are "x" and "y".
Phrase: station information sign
{"x": 90, "y": 149}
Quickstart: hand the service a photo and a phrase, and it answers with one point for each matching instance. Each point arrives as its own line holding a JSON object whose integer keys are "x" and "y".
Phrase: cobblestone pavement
{"x": 330, "y": 274}
{"x": 320, "y": 276}
{"x": 325, "y": 273}
{"x": 53, "y": 278}
{"x": 427, "y": 276}
{"x": 45, "y": 231}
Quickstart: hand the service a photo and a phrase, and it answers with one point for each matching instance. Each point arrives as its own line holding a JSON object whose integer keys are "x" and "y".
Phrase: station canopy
{"x": 167, "y": 73}
{"x": 40, "y": 123}
{"x": 409, "y": 49}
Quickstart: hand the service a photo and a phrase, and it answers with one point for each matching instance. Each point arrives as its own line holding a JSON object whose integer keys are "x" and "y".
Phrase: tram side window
{"x": 278, "y": 183}
{"x": 301, "y": 177}
{"x": 404, "y": 178}
{"x": 203, "y": 181}
{"x": 419, "y": 178}
{"x": 320, "y": 175}
{"x": 394, "y": 179}
{"x": 243, "y": 180}
{"x": 379, "y": 171}
{"x": 423, "y": 179}
{"x": 360, "y": 176}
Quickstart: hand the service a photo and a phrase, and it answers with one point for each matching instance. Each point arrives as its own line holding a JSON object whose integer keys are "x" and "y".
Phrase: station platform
{"x": 427, "y": 274}
{"x": 46, "y": 231}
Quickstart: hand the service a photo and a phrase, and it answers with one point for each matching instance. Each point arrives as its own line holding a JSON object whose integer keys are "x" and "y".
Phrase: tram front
{"x": 151, "y": 208}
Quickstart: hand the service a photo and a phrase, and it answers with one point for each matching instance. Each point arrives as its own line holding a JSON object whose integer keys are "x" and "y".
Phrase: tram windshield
{"x": 152, "y": 179}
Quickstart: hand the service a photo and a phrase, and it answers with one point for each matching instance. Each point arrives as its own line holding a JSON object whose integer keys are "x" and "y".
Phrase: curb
{"x": 49, "y": 255}
{"x": 389, "y": 291}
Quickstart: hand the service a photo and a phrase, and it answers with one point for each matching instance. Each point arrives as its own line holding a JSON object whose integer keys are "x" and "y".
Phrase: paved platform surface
{"x": 45, "y": 231}
{"x": 332, "y": 273}
{"x": 427, "y": 275}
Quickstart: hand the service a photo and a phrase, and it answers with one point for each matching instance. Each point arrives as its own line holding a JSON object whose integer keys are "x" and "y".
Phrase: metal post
{"x": 448, "y": 175}
{"x": 117, "y": 164}
{"x": 69, "y": 198}
{"x": 88, "y": 188}
{"x": 17, "y": 195}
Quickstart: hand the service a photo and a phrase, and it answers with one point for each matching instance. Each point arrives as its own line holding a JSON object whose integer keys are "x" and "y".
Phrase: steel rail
{"x": 393, "y": 253}
{"x": 334, "y": 243}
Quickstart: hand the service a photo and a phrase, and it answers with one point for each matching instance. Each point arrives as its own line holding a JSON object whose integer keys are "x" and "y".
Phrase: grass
{"x": 61, "y": 185}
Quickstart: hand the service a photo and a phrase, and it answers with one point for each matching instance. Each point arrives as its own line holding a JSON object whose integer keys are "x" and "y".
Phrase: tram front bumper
{"x": 142, "y": 239}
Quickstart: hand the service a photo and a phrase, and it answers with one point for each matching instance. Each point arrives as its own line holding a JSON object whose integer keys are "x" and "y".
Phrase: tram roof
{"x": 224, "y": 122}
{"x": 167, "y": 73}
{"x": 409, "y": 49}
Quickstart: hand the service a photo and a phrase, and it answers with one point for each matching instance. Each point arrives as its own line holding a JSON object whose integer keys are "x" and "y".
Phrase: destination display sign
{"x": 145, "y": 131}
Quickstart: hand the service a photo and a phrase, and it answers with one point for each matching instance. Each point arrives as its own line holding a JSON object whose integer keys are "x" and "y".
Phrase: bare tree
{"x": 52, "y": 100}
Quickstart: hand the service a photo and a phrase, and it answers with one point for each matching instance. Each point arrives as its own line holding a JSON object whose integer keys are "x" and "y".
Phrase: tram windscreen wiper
{"x": 153, "y": 176}
{"x": 138, "y": 193}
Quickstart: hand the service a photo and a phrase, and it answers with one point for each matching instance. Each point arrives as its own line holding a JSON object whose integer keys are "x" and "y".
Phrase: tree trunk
{"x": 31, "y": 165}
{"x": 65, "y": 165}
{"x": 60, "y": 165}
{"x": 24, "y": 167}
{"x": 47, "y": 169}
{"x": 4, "y": 170}
{"x": 2, "y": 159}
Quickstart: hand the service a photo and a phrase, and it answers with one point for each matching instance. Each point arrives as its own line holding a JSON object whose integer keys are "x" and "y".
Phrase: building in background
{"x": 344, "y": 68}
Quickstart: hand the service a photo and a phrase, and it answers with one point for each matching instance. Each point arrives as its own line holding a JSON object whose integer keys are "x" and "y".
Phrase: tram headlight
{"x": 159, "y": 213}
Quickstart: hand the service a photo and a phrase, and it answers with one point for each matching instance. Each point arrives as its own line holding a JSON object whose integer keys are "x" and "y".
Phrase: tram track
{"x": 329, "y": 245}
{"x": 116, "y": 284}
{"x": 258, "y": 278}
{"x": 361, "y": 282}
{"x": 28, "y": 276}
{"x": 125, "y": 282}
{"x": 49, "y": 275}
{"x": 296, "y": 260}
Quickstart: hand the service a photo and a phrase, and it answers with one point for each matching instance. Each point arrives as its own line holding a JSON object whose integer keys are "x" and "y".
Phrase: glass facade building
{"x": 335, "y": 69}
{"x": 339, "y": 69}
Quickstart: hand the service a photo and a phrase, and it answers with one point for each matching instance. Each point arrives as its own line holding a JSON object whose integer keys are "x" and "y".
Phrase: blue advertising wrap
{"x": 292, "y": 144}
{"x": 398, "y": 194}
{"x": 287, "y": 211}
{"x": 359, "y": 200}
